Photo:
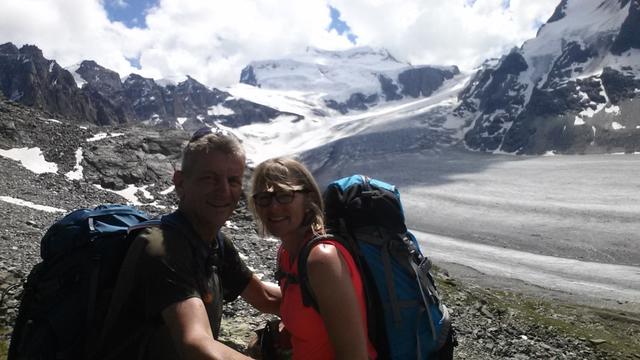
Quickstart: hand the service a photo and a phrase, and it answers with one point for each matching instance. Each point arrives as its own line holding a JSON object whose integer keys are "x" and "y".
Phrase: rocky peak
{"x": 105, "y": 81}
{"x": 191, "y": 86}
{"x": 145, "y": 96}
{"x": 102, "y": 79}
{"x": 248, "y": 76}
{"x": 570, "y": 89}
{"x": 559, "y": 13}
{"x": 32, "y": 51}
{"x": 31, "y": 79}
{"x": 135, "y": 80}
{"x": 9, "y": 48}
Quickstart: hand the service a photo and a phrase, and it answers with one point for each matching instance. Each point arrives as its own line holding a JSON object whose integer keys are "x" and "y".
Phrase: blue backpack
{"x": 67, "y": 295}
{"x": 405, "y": 315}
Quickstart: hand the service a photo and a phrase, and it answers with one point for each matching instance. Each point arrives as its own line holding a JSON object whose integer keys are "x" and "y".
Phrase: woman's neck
{"x": 294, "y": 243}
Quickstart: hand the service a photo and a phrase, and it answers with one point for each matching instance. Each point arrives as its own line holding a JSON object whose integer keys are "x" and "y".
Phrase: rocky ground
{"x": 491, "y": 324}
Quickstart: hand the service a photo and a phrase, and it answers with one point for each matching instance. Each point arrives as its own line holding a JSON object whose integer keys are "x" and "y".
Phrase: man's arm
{"x": 189, "y": 326}
{"x": 263, "y": 296}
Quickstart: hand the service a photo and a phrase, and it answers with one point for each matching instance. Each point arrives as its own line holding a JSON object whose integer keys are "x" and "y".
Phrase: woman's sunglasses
{"x": 264, "y": 199}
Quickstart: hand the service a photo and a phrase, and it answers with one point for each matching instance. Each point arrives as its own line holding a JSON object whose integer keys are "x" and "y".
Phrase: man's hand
{"x": 263, "y": 296}
{"x": 189, "y": 326}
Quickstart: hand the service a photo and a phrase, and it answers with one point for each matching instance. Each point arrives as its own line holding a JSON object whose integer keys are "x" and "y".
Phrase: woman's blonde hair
{"x": 289, "y": 174}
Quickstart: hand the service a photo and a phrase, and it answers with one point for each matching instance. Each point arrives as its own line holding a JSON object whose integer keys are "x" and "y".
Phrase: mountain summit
{"x": 570, "y": 89}
{"x": 354, "y": 79}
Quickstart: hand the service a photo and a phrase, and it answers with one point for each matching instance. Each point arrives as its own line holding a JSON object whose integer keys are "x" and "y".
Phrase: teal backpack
{"x": 406, "y": 317}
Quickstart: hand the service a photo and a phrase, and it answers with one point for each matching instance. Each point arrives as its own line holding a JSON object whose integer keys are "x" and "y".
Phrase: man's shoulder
{"x": 162, "y": 241}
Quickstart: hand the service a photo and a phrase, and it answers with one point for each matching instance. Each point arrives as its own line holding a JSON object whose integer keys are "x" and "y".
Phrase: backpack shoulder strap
{"x": 124, "y": 283}
{"x": 308, "y": 298}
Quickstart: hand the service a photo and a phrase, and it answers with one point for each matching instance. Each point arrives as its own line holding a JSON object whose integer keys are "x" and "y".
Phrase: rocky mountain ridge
{"x": 90, "y": 93}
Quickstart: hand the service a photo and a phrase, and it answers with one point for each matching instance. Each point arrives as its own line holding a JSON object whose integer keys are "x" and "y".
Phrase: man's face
{"x": 210, "y": 191}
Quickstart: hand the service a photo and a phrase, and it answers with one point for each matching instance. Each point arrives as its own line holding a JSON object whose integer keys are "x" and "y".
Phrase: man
{"x": 185, "y": 268}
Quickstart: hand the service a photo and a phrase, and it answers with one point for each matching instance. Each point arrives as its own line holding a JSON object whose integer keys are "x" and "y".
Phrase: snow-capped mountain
{"x": 571, "y": 89}
{"x": 355, "y": 79}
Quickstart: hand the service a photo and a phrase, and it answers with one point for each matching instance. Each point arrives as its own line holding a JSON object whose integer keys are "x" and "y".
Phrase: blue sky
{"x": 340, "y": 26}
{"x": 130, "y": 12}
{"x": 212, "y": 40}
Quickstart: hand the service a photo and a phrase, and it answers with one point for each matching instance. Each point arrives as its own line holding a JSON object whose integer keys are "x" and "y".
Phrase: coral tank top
{"x": 309, "y": 337}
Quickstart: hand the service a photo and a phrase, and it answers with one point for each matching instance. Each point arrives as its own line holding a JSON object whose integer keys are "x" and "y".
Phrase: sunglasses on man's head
{"x": 264, "y": 199}
{"x": 204, "y": 131}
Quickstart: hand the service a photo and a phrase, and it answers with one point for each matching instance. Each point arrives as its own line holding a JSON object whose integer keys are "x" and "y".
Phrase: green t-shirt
{"x": 173, "y": 268}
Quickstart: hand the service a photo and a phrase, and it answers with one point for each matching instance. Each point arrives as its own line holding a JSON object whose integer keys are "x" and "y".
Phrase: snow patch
{"x": 617, "y": 126}
{"x": 219, "y": 110}
{"x": 231, "y": 225}
{"x": 181, "y": 120}
{"x": 100, "y": 136}
{"x": 80, "y": 81}
{"x": 76, "y": 173}
{"x": 30, "y": 158}
{"x": 51, "y": 121}
{"x": 613, "y": 109}
{"x": 130, "y": 195}
{"x": 578, "y": 121}
{"x": 550, "y": 153}
{"x": 168, "y": 190}
{"x": 31, "y": 205}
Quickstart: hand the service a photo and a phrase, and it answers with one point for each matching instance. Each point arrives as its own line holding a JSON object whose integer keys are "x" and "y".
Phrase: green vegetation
{"x": 4, "y": 344}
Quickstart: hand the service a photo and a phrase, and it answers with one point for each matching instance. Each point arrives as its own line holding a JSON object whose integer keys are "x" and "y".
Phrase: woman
{"x": 287, "y": 203}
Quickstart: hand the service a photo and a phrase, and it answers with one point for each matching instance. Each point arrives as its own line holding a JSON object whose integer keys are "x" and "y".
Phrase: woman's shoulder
{"x": 325, "y": 255}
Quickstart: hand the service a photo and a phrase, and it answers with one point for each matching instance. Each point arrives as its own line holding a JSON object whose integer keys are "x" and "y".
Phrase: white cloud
{"x": 213, "y": 40}
{"x": 445, "y": 32}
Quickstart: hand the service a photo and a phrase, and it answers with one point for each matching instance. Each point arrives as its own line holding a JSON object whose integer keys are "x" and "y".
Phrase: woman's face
{"x": 282, "y": 211}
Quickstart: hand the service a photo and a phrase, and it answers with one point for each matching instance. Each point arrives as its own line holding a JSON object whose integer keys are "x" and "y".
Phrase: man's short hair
{"x": 207, "y": 140}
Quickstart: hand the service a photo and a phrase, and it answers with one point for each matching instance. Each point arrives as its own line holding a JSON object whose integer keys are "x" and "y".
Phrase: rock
{"x": 597, "y": 341}
{"x": 486, "y": 312}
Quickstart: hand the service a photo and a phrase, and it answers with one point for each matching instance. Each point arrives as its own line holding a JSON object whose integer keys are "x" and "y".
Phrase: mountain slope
{"x": 570, "y": 89}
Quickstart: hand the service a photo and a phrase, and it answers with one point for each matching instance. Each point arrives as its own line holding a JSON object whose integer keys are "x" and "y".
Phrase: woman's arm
{"x": 333, "y": 290}
{"x": 263, "y": 296}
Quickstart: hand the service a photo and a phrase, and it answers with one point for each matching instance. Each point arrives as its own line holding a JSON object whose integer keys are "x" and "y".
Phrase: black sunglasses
{"x": 264, "y": 199}
{"x": 204, "y": 131}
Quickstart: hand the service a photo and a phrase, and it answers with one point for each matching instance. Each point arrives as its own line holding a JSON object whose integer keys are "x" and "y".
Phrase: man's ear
{"x": 178, "y": 182}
